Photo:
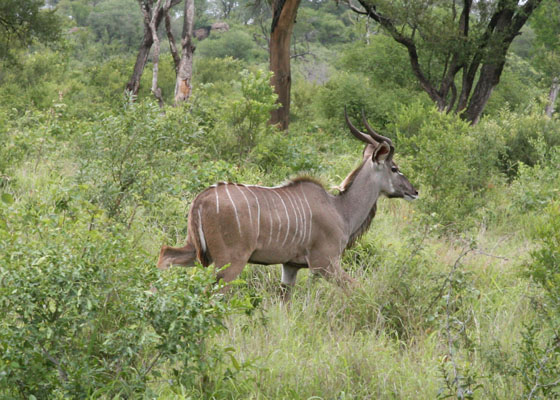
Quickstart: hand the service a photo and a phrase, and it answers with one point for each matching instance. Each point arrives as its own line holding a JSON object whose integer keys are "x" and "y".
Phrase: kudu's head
{"x": 379, "y": 151}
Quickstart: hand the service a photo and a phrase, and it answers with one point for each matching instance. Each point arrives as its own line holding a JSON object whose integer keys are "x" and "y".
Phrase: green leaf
{"x": 7, "y": 198}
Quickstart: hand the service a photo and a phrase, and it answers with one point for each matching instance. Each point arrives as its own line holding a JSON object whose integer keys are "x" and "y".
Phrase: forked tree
{"x": 467, "y": 40}
{"x": 154, "y": 13}
{"x": 298, "y": 224}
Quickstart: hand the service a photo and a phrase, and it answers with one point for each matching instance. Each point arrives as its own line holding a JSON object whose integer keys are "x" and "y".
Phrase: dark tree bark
{"x": 485, "y": 61}
{"x": 183, "y": 84}
{"x": 133, "y": 84}
{"x": 171, "y": 38}
{"x": 283, "y": 21}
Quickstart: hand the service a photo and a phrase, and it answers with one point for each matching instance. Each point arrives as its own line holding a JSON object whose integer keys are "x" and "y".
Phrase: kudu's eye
{"x": 394, "y": 169}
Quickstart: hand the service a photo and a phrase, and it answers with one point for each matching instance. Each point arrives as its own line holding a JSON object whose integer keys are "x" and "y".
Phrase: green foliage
{"x": 376, "y": 77}
{"x": 34, "y": 82}
{"x": 117, "y": 20}
{"x": 216, "y": 70}
{"x": 518, "y": 83}
{"x": 22, "y": 22}
{"x": 249, "y": 115}
{"x": 78, "y": 10}
{"x": 235, "y": 126}
{"x": 536, "y": 186}
{"x": 318, "y": 26}
{"x": 520, "y": 134}
{"x": 234, "y": 43}
{"x": 84, "y": 312}
{"x": 125, "y": 159}
{"x": 547, "y": 39}
{"x": 452, "y": 165}
{"x": 540, "y": 348}
{"x": 382, "y": 61}
{"x": 356, "y": 92}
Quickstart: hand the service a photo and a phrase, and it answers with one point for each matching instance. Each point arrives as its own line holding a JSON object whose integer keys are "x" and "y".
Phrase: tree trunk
{"x": 155, "y": 59}
{"x": 133, "y": 84}
{"x": 183, "y": 84}
{"x": 487, "y": 81}
{"x": 283, "y": 21}
{"x": 171, "y": 39}
{"x": 552, "y": 95}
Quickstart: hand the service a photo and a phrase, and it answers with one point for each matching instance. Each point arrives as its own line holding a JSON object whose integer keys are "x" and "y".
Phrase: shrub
{"x": 234, "y": 43}
{"x": 78, "y": 316}
{"x": 128, "y": 159}
{"x": 540, "y": 347}
{"x": 452, "y": 166}
{"x": 520, "y": 133}
{"x": 536, "y": 186}
{"x": 216, "y": 70}
{"x": 232, "y": 128}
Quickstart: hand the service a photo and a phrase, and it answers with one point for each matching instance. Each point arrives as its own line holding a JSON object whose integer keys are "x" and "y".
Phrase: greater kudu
{"x": 298, "y": 224}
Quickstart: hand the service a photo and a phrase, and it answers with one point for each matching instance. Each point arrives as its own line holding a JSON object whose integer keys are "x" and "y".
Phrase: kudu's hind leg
{"x": 185, "y": 256}
{"x": 332, "y": 270}
{"x": 235, "y": 268}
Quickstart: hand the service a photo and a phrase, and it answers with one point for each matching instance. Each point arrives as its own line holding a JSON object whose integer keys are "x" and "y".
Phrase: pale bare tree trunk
{"x": 283, "y": 21}
{"x": 155, "y": 57}
{"x": 183, "y": 84}
{"x": 552, "y": 95}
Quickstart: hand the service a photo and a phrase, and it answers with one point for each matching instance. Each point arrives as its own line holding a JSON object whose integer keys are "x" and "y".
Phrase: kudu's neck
{"x": 357, "y": 201}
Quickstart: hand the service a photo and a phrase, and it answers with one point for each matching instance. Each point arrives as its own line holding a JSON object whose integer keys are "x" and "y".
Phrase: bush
{"x": 217, "y": 70}
{"x": 452, "y": 166}
{"x": 234, "y": 43}
{"x": 357, "y": 91}
{"x": 536, "y": 186}
{"x": 540, "y": 347}
{"x": 78, "y": 316}
{"x": 520, "y": 133}
{"x": 129, "y": 159}
{"x": 232, "y": 128}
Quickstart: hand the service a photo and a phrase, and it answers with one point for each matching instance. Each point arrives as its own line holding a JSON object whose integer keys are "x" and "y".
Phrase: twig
{"x": 490, "y": 255}
{"x": 542, "y": 363}
{"x": 63, "y": 375}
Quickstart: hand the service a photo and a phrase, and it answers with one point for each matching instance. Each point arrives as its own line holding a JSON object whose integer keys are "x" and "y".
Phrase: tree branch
{"x": 410, "y": 46}
{"x": 170, "y": 37}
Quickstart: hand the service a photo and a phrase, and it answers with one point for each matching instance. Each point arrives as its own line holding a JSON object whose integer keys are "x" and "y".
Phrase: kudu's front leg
{"x": 289, "y": 276}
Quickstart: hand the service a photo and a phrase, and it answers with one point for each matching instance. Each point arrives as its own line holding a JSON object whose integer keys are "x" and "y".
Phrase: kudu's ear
{"x": 381, "y": 153}
{"x": 368, "y": 151}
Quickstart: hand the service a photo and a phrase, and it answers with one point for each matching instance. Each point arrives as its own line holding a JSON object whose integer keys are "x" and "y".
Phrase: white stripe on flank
{"x": 287, "y": 216}
{"x": 248, "y": 205}
{"x": 258, "y": 213}
{"x": 234, "y": 208}
{"x": 310, "y": 212}
{"x": 296, "y": 214}
{"x": 269, "y": 213}
{"x": 277, "y": 217}
{"x": 201, "y": 232}
{"x": 301, "y": 208}
{"x": 217, "y": 201}
{"x": 302, "y": 211}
